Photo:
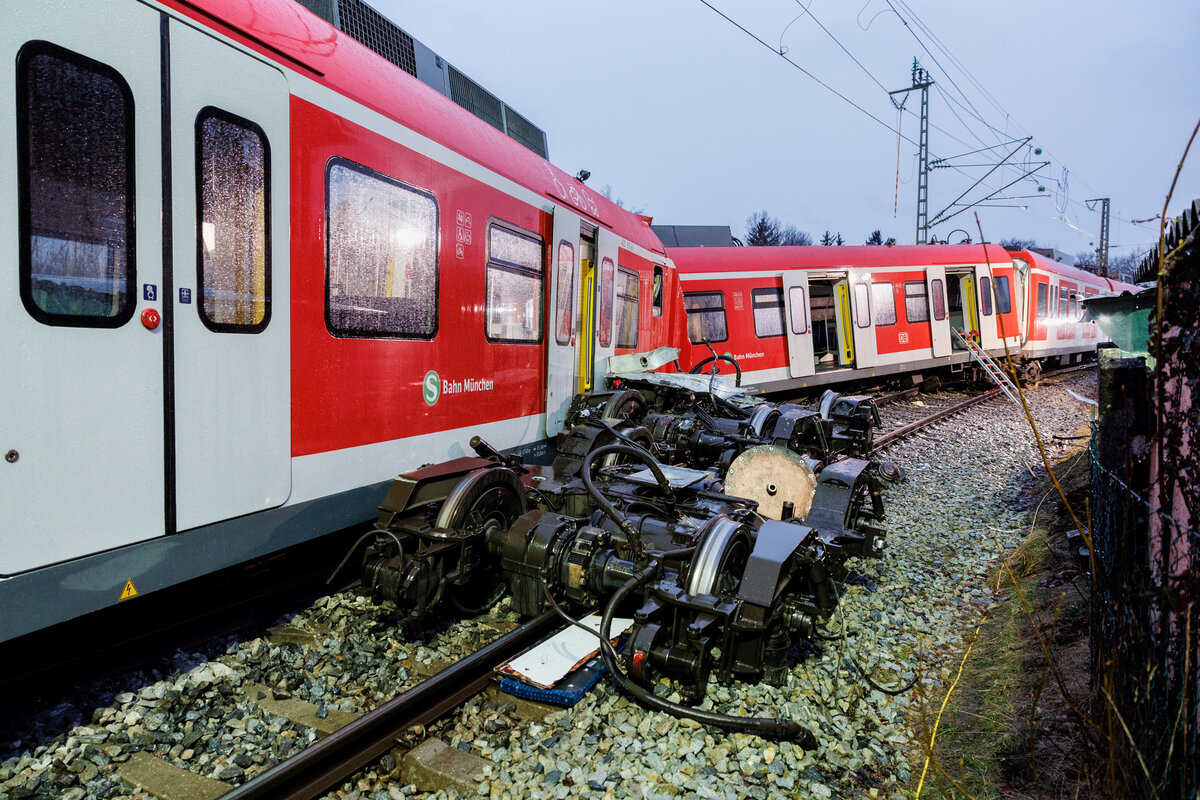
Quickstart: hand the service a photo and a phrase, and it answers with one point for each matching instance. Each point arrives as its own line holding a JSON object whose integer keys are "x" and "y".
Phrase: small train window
{"x": 381, "y": 278}
{"x": 1073, "y": 314}
{"x": 916, "y": 304}
{"x": 1064, "y": 302}
{"x": 798, "y": 306}
{"x": 862, "y": 305}
{"x": 768, "y": 312}
{"x": 985, "y": 295}
{"x": 75, "y": 189}
{"x": 939, "y": 299}
{"x": 606, "y": 301}
{"x": 564, "y": 305}
{"x": 705, "y": 317}
{"x": 233, "y": 205}
{"x": 656, "y": 306}
{"x": 884, "y": 298}
{"x": 1003, "y": 298}
{"x": 626, "y": 311}
{"x": 1041, "y": 300}
{"x": 515, "y": 270}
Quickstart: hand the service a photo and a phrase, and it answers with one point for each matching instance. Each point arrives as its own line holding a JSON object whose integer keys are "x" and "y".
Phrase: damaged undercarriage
{"x": 721, "y": 521}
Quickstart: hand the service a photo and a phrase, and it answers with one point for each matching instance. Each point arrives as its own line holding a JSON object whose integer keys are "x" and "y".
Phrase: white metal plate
{"x": 797, "y": 323}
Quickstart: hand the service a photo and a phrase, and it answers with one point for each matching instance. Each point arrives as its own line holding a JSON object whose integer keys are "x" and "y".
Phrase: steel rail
{"x": 894, "y": 396}
{"x": 326, "y": 762}
{"x": 894, "y": 436}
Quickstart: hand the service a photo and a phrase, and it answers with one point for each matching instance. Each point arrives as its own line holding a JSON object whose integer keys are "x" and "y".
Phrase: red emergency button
{"x": 150, "y": 319}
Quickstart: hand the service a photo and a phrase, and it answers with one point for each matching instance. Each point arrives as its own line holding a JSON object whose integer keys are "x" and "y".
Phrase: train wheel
{"x": 718, "y": 564}
{"x": 486, "y": 502}
{"x": 629, "y": 405}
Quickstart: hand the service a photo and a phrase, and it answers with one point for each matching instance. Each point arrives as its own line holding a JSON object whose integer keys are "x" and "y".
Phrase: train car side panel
{"x": 355, "y": 386}
{"x": 81, "y": 263}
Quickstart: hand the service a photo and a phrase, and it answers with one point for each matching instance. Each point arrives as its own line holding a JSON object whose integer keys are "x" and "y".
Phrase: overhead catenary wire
{"x": 781, "y": 52}
{"x": 825, "y": 85}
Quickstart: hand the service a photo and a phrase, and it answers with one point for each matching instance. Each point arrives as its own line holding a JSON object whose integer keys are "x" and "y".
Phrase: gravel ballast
{"x": 907, "y": 615}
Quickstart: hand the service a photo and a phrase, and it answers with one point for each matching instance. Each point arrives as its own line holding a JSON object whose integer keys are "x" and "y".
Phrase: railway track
{"x": 325, "y": 763}
{"x": 942, "y": 412}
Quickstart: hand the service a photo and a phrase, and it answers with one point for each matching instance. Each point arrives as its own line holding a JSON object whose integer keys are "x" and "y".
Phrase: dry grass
{"x": 1007, "y": 730}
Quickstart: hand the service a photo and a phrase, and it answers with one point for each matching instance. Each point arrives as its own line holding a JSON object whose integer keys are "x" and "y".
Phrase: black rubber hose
{"x": 701, "y": 364}
{"x": 767, "y": 727}
{"x": 585, "y": 475}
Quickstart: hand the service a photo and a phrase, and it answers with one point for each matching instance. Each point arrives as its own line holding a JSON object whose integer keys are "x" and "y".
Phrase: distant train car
{"x": 797, "y": 317}
{"x": 252, "y": 271}
{"x": 1054, "y": 325}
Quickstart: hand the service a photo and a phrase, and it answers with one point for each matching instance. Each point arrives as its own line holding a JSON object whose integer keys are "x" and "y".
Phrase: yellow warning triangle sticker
{"x": 129, "y": 591}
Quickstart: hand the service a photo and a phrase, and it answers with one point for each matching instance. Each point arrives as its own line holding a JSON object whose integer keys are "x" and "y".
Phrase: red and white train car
{"x": 1053, "y": 320}
{"x": 796, "y": 317}
{"x": 251, "y": 271}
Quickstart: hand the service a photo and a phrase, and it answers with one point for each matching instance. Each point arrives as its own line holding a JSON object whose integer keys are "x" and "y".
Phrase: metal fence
{"x": 1146, "y": 547}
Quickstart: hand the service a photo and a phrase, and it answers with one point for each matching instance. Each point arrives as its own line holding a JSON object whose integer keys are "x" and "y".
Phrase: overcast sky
{"x": 690, "y": 119}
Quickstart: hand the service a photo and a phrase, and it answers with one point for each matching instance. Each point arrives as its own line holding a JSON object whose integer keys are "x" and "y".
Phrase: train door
{"x": 229, "y": 307}
{"x": 801, "y": 356}
{"x": 939, "y": 320}
{"x": 864, "y": 328}
{"x": 604, "y": 344}
{"x": 586, "y": 341}
{"x": 561, "y": 361}
{"x": 962, "y": 305}
{"x": 830, "y": 323}
{"x": 81, "y": 423}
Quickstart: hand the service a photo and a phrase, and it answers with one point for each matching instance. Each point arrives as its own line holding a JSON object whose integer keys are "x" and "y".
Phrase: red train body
{"x": 795, "y": 317}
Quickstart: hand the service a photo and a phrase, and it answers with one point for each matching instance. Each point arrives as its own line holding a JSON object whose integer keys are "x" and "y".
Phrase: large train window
{"x": 1064, "y": 303}
{"x": 626, "y": 311}
{"x": 1003, "y": 298}
{"x": 606, "y": 301}
{"x": 515, "y": 270}
{"x": 705, "y": 317}
{"x": 799, "y": 309}
{"x": 884, "y": 299}
{"x": 768, "y": 312}
{"x": 233, "y": 163}
{"x": 939, "y": 299}
{"x": 1073, "y": 314}
{"x": 566, "y": 293}
{"x": 1041, "y": 300}
{"x": 916, "y": 305}
{"x": 862, "y": 305}
{"x": 75, "y": 189}
{"x": 381, "y": 276}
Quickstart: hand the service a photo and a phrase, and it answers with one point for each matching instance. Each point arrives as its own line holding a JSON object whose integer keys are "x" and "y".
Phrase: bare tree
{"x": 607, "y": 192}
{"x": 1012, "y": 243}
{"x": 791, "y": 235}
{"x": 1086, "y": 259}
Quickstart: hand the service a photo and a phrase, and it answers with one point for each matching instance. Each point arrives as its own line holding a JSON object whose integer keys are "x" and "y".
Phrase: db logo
{"x": 431, "y": 388}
